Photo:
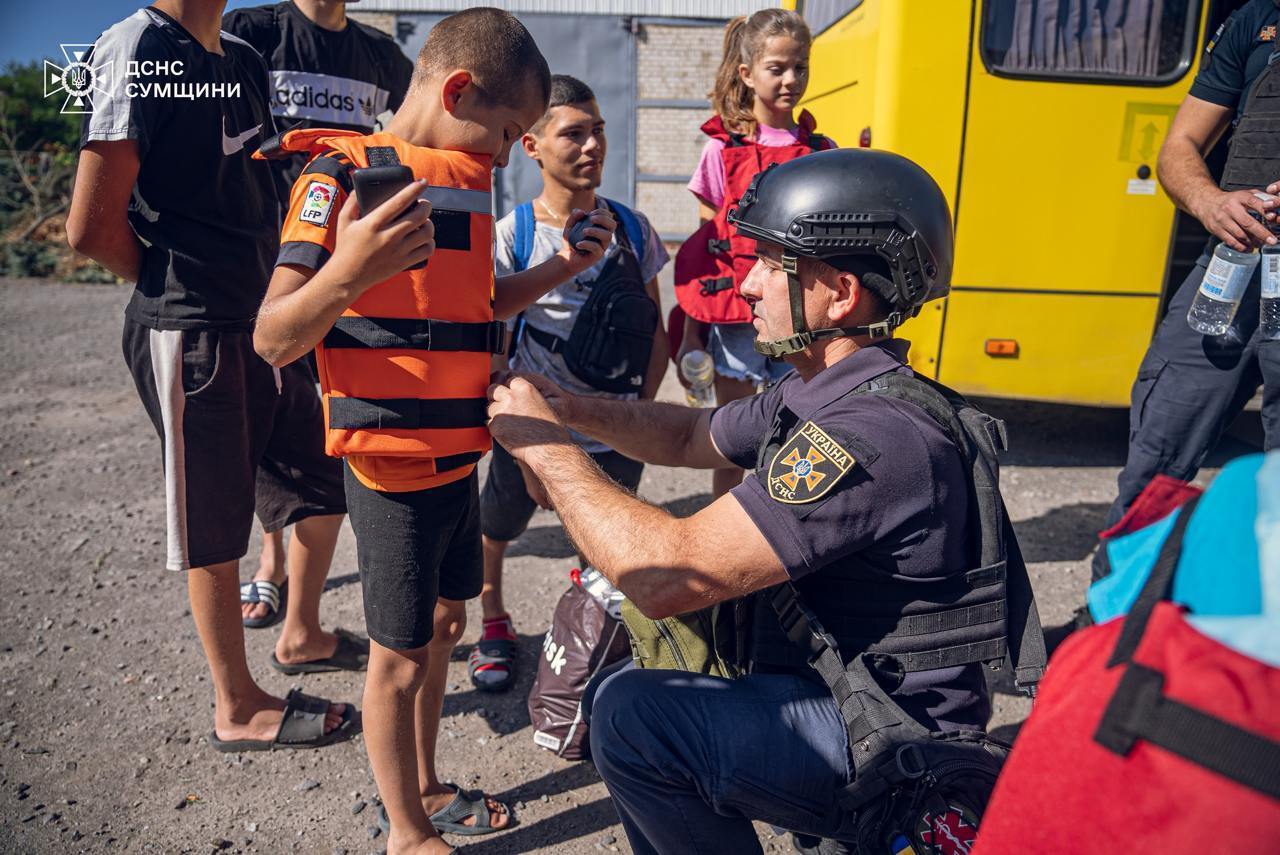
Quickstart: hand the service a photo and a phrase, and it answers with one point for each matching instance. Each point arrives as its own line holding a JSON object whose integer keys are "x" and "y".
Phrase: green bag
{"x": 702, "y": 642}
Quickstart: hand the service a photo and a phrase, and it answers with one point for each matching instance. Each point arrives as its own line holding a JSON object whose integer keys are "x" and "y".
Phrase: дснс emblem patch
{"x": 807, "y": 466}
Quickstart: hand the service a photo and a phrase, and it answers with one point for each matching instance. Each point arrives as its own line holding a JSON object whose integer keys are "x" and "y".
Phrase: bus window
{"x": 821, "y": 14}
{"x": 1102, "y": 41}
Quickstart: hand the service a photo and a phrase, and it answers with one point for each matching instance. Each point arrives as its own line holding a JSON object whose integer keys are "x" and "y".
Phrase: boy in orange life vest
{"x": 403, "y": 357}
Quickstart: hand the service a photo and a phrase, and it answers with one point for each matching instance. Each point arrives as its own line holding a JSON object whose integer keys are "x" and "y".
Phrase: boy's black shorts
{"x": 236, "y": 436}
{"x": 414, "y": 548}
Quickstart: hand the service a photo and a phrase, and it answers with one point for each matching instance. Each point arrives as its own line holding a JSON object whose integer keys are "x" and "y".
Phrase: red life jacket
{"x": 1147, "y": 735}
{"x": 712, "y": 263}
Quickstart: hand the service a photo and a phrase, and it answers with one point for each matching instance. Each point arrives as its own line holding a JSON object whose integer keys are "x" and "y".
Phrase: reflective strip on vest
{"x": 457, "y": 199}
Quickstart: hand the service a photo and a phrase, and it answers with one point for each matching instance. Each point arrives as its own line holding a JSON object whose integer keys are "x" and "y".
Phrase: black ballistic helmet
{"x": 871, "y": 213}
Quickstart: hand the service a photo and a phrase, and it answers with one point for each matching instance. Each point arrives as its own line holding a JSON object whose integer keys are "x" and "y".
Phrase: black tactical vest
{"x": 957, "y": 619}
{"x": 851, "y": 627}
{"x": 1253, "y": 157}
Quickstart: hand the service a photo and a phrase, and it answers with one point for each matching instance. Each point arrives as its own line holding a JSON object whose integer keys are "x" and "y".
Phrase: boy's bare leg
{"x": 491, "y": 604}
{"x": 271, "y": 568}
{"x": 242, "y": 710}
{"x": 391, "y": 689}
{"x": 449, "y": 623}
{"x": 310, "y": 554}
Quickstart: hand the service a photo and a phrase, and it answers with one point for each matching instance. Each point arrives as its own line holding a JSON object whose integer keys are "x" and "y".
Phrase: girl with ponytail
{"x": 762, "y": 77}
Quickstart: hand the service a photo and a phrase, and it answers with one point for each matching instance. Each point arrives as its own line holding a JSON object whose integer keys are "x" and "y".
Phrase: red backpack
{"x": 1147, "y": 735}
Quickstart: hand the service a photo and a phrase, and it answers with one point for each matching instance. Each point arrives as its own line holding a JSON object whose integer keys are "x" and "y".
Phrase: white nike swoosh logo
{"x": 231, "y": 145}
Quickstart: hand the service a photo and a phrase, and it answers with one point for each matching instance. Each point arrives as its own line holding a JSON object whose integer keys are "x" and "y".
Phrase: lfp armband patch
{"x": 317, "y": 204}
{"x": 807, "y": 466}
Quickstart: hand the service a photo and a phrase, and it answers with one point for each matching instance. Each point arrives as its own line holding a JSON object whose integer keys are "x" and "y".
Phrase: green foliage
{"x": 36, "y": 121}
{"x": 28, "y": 258}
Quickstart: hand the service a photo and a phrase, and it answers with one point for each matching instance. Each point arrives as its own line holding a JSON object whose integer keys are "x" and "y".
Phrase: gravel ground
{"x": 104, "y": 698}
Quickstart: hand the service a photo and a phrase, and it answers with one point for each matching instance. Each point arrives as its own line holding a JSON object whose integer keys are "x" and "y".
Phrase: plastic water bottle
{"x": 595, "y": 584}
{"x": 1214, "y": 307}
{"x": 1269, "y": 318}
{"x": 697, "y": 368}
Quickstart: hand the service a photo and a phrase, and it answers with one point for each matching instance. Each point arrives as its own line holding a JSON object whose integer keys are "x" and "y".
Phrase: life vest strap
{"x": 717, "y": 246}
{"x": 355, "y": 331}
{"x": 406, "y": 413}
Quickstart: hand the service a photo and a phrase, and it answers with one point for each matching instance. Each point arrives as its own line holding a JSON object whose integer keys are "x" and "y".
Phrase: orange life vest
{"x": 404, "y": 370}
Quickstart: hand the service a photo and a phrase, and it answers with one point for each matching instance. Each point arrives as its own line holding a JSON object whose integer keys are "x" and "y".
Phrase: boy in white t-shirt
{"x": 569, "y": 146}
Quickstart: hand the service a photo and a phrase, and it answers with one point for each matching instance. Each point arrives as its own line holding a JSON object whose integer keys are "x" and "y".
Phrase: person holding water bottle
{"x": 1210, "y": 354}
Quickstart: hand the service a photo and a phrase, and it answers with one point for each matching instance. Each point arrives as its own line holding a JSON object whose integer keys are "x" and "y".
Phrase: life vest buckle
{"x": 714, "y": 286}
{"x": 716, "y": 247}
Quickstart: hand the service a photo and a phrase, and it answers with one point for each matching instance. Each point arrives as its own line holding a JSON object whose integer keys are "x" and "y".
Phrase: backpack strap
{"x": 1158, "y": 587}
{"x": 631, "y": 227}
{"x": 522, "y": 247}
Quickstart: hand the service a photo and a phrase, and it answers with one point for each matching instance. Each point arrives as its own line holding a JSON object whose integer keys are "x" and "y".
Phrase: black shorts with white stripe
{"x": 237, "y": 436}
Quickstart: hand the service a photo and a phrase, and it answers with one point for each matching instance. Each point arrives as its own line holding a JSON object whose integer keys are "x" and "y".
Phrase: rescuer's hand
{"x": 391, "y": 238}
{"x": 560, "y": 401}
{"x": 522, "y": 420}
{"x": 1227, "y": 217}
{"x": 586, "y": 253}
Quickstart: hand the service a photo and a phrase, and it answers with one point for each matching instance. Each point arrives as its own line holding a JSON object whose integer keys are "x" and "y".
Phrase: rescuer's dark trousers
{"x": 1190, "y": 388}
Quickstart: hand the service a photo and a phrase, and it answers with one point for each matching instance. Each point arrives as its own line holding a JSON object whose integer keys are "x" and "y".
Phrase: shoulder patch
{"x": 807, "y": 466}
{"x": 318, "y": 204}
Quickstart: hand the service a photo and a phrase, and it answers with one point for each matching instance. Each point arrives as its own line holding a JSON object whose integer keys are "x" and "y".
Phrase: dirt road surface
{"x": 105, "y": 702}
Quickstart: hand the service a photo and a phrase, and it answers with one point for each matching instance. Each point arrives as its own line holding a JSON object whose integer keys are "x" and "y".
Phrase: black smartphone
{"x": 376, "y": 184}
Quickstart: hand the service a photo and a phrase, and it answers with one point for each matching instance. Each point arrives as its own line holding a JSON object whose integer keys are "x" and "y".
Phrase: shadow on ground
{"x": 1067, "y": 533}
{"x": 1064, "y": 435}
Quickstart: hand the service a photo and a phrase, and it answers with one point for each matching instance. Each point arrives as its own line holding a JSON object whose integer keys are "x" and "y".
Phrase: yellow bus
{"x": 1041, "y": 122}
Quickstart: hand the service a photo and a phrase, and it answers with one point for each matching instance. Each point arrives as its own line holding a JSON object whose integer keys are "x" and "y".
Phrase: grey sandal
{"x": 449, "y": 819}
{"x": 301, "y": 727}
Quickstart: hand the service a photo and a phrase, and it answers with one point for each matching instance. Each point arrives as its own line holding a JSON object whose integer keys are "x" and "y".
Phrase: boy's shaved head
{"x": 504, "y": 62}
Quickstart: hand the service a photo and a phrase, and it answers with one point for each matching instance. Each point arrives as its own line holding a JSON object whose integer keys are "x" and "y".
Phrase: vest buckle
{"x": 421, "y": 337}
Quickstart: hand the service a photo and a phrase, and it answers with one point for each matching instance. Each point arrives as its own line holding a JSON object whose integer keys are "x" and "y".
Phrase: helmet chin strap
{"x": 802, "y": 336}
